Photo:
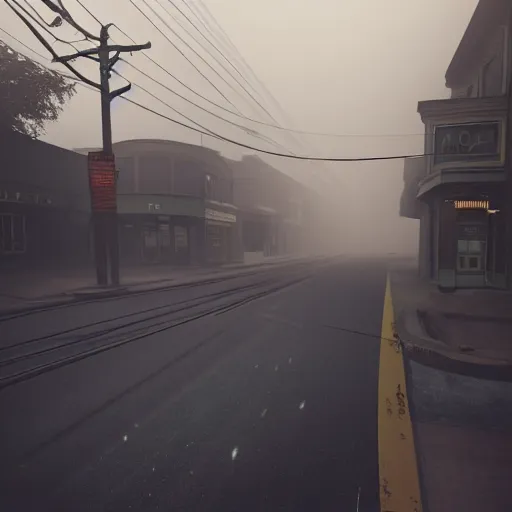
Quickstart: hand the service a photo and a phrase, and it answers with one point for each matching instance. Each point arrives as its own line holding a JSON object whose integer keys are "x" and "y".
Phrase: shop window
{"x": 470, "y": 255}
{"x": 214, "y": 236}
{"x": 180, "y": 238}
{"x": 12, "y": 234}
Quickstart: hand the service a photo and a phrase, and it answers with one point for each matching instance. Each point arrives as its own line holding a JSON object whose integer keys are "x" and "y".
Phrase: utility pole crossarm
{"x": 128, "y": 48}
{"x": 82, "y": 53}
{"x": 121, "y": 90}
{"x": 105, "y": 221}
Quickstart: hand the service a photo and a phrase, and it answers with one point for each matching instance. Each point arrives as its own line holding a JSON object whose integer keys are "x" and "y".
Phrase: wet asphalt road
{"x": 243, "y": 395}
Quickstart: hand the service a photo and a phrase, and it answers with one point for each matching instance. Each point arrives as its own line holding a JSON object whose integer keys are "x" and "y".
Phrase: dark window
{"x": 12, "y": 233}
{"x": 126, "y": 176}
{"x": 154, "y": 175}
{"x": 188, "y": 178}
{"x": 474, "y": 263}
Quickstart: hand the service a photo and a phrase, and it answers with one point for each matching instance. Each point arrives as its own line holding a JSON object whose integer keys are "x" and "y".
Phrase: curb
{"x": 420, "y": 349}
{"x": 77, "y": 297}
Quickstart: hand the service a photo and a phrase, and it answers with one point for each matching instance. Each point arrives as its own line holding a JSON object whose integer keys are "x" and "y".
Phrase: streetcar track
{"x": 188, "y": 303}
{"x": 43, "y": 368}
{"x": 98, "y": 334}
{"x": 6, "y": 317}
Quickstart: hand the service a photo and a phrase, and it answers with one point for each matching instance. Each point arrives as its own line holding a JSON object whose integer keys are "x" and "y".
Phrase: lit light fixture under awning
{"x": 472, "y": 205}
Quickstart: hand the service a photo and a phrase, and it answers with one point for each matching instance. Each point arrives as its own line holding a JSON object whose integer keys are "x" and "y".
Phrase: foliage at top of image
{"x": 30, "y": 94}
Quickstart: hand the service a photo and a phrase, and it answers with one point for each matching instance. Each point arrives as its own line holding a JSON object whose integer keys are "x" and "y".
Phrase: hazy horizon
{"x": 356, "y": 68}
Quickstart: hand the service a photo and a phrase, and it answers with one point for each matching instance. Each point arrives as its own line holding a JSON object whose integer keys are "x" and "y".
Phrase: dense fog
{"x": 318, "y": 69}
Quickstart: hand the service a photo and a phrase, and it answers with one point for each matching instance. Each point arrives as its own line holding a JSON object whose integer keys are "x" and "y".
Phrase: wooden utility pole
{"x": 104, "y": 219}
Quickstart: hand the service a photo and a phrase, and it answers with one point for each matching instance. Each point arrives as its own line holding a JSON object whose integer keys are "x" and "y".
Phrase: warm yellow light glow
{"x": 471, "y": 205}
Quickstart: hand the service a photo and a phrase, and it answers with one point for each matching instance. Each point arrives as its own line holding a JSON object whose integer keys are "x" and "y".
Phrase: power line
{"x": 210, "y": 42}
{"x": 273, "y": 153}
{"x": 43, "y": 24}
{"x": 270, "y": 125}
{"x": 89, "y": 12}
{"x": 207, "y": 132}
{"x": 196, "y": 53}
{"x": 254, "y": 134}
{"x": 165, "y": 70}
{"x": 30, "y": 49}
{"x": 192, "y": 49}
{"x": 241, "y": 116}
{"x": 182, "y": 54}
{"x": 230, "y": 44}
{"x": 199, "y": 95}
{"x": 244, "y": 128}
{"x": 224, "y": 38}
{"x": 249, "y": 94}
{"x": 221, "y": 137}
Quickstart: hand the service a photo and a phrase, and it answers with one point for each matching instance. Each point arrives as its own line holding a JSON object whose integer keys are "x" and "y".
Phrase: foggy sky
{"x": 341, "y": 66}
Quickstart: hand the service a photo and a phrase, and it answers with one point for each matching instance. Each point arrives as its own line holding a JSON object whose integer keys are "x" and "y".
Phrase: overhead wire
{"x": 42, "y": 24}
{"x": 241, "y": 116}
{"x": 193, "y": 51}
{"x": 245, "y": 129}
{"x": 203, "y": 130}
{"x": 183, "y": 54}
{"x": 223, "y": 138}
{"x": 229, "y": 43}
{"x": 180, "y": 24}
{"x": 89, "y": 11}
{"x": 210, "y": 132}
{"x": 172, "y": 2}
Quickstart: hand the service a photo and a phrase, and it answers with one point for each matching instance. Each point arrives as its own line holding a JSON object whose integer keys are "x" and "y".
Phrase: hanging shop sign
{"x": 467, "y": 142}
{"x": 210, "y": 214}
{"x": 102, "y": 182}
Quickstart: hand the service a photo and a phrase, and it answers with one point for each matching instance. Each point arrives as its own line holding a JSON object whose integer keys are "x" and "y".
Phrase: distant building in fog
{"x": 175, "y": 203}
{"x": 271, "y": 208}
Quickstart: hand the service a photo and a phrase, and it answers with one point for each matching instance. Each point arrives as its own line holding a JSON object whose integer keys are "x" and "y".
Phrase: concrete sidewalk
{"x": 458, "y": 355}
{"x": 467, "y": 331}
{"x": 22, "y": 292}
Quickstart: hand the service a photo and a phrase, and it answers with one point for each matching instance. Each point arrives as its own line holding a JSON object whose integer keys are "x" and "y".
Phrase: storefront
{"x": 471, "y": 232}
{"x": 36, "y": 231}
{"x": 159, "y": 239}
{"x": 468, "y": 244}
{"x": 220, "y": 233}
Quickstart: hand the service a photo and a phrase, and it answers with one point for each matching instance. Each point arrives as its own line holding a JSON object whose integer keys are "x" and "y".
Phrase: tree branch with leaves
{"x": 30, "y": 94}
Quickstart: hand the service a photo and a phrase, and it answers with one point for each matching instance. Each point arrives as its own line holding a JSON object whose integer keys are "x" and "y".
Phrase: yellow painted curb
{"x": 398, "y": 469}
